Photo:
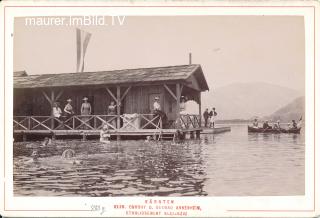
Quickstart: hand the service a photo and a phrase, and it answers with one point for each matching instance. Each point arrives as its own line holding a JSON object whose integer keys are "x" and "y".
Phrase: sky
{"x": 230, "y": 49}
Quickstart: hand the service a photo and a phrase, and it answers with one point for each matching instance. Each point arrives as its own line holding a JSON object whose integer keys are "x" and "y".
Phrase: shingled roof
{"x": 131, "y": 76}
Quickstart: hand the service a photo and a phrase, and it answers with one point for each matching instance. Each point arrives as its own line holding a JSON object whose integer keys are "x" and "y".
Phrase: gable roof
{"x": 131, "y": 76}
{"x": 20, "y": 73}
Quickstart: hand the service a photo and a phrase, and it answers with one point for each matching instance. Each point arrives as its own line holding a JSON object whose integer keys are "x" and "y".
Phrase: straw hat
{"x": 85, "y": 99}
{"x": 69, "y": 100}
{"x": 156, "y": 98}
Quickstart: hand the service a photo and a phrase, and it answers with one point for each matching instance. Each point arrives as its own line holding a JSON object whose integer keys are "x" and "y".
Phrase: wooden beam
{"x": 52, "y": 97}
{"x": 52, "y": 102}
{"x": 125, "y": 93}
{"x": 169, "y": 90}
{"x": 46, "y": 96}
{"x": 181, "y": 88}
{"x": 178, "y": 94}
{"x": 200, "y": 113}
{"x": 59, "y": 95}
{"x": 118, "y": 109}
{"x": 111, "y": 94}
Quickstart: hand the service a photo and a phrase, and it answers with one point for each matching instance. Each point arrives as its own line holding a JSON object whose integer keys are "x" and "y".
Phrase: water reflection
{"x": 234, "y": 163}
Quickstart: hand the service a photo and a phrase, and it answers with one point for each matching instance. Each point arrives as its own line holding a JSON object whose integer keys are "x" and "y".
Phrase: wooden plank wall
{"x": 136, "y": 101}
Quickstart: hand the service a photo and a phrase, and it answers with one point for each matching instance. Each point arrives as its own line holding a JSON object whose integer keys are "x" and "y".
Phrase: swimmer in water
{"x": 46, "y": 142}
{"x": 34, "y": 157}
{"x": 70, "y": 154}
{"x": 105, "y": 134}
{"x": 148, "y": 139}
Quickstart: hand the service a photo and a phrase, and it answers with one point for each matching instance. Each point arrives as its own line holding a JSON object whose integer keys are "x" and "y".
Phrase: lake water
{"x": 235, "y": 163}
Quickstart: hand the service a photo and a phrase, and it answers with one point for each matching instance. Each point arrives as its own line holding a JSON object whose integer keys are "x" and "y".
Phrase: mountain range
{"x": 248, "y": 100}
{"x": 292, "y": 111}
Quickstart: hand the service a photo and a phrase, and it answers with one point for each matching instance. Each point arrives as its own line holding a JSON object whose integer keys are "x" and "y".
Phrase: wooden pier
{"x": 141, "y": 126}
{"x": 220, "y": 129}
{"x": 133, "y": 92}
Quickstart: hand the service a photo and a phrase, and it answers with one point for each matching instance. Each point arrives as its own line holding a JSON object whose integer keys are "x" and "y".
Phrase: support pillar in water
{"x": 191, "y": 135}
{"x": 198, "y": 134}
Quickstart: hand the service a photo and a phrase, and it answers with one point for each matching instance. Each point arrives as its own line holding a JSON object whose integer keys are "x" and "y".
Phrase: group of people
{"x": 85, "y": 110}
{"x": 210, "y": 117}
{"x": 276, "y": 125}
{"x": 68, "y": 109}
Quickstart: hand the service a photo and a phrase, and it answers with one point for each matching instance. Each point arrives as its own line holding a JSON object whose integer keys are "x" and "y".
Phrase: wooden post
{"x": 200, "y": 113}
{"x": 198, "y": 134}
{"x": 84, "y": 137}
{"x": 191, "y": 135}
{"x": 118, "y": 110}
{"x": 24, "y": 137}
{"x": 178, "y": 95}
{"x": 52, "y": 102}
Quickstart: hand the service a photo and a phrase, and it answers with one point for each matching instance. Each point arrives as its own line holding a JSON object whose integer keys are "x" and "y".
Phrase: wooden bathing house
{"x": 133, "y": 89}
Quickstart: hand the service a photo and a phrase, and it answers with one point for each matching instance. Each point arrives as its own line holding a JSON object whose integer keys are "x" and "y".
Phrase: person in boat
{"x": 206, "y": 117}
{"x": 255, "y": 123}
{"x": 294, "y": 125}
{"x": 85, "y": 110}
{"x": 105, "y": 134}
{"x": 266, "y": 125}
{"x": 277, "y": 125}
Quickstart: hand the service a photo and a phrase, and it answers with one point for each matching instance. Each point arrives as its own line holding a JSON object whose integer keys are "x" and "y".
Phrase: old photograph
{"x": 109, "y": 106}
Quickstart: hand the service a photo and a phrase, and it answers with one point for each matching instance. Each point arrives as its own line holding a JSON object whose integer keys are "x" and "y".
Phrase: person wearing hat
{"x": 294, "y": 125}
{"x": 158, "y": 112}
{"x": 56, "y": 113}
{"x": 85, "y": 110}
{"x": 212, "y": 115}
{"x": 206, "y": 117}
{"x": 182, "y": 105}
{"x": 85, "y": 107}
{"x": 266, "y": 125}
{"x": 156, "y": 104}
{"x": 68, "y": 110}
{"x": 112, "y": 110}
{"x": 255, "y": 123}
{"x": 277, "y": 125}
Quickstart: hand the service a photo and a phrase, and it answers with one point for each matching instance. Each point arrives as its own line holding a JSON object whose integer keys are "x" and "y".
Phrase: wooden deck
{"x": 140, "y": 125}
{"x": 216, "y": 130}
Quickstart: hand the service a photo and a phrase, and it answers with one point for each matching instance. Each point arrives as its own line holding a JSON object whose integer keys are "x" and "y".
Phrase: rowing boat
{"x": 262, "y": 130}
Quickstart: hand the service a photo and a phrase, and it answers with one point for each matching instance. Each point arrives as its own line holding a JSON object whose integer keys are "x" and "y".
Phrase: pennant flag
{"x": 83, "y": 38}
{"x": 299, "y": 122}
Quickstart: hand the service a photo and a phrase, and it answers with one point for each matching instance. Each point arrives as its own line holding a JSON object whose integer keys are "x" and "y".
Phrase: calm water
{"x": 234, "y": 163}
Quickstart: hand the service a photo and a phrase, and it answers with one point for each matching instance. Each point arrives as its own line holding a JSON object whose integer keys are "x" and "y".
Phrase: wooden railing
{"x": 189, "y": 121}
{"x": 87, "y": 122}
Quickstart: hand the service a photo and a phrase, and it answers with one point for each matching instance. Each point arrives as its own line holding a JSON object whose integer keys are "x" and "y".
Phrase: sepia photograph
{"x": 109, "y": 106}
{"x": 176, "y": 109}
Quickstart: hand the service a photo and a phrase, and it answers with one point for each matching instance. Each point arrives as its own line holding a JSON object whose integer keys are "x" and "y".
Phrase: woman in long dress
{"x": 112, "y": 111}
{"x": 68, "y": 111}
{"x": 85, "y": 110}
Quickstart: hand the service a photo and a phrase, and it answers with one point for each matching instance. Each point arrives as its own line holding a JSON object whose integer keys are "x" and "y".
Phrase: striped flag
{"x": 83, "y": 38}
{"x": 299, "y": 122}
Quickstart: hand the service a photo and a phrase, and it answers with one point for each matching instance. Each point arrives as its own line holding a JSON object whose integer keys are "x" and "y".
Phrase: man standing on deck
{"x": 206, "y": 116}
